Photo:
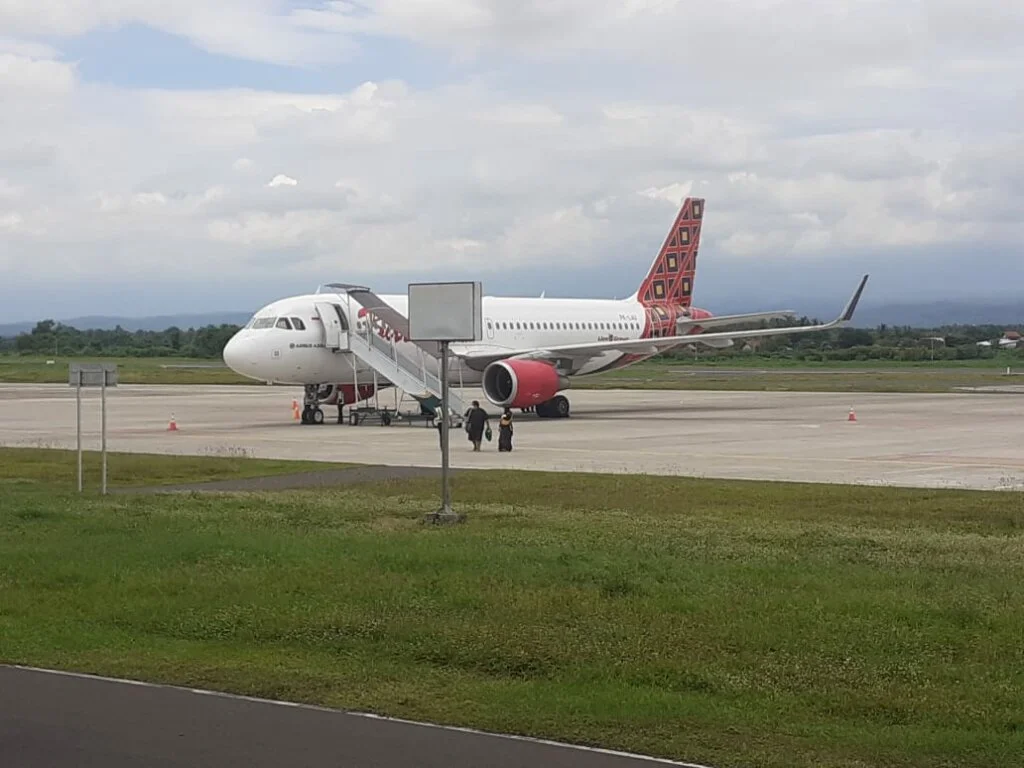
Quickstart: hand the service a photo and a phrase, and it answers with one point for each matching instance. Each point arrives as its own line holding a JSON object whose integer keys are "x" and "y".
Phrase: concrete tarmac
{"x": 56, "y": 719}
{"x": 970, "y": 440}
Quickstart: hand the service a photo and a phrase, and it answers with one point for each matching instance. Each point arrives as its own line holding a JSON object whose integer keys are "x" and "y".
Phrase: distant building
{"x": 1011, "y": 340}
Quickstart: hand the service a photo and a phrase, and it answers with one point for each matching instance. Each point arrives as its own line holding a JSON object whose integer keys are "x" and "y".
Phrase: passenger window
{"x": 298, "y": 324}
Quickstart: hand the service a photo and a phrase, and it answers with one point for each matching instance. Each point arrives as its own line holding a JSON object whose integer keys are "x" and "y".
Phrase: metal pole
{"x": 103, "y": 407}
{"x": 355, "y": 379}
{"x": 78, "y": 405}
{"x": 446, "y": 496}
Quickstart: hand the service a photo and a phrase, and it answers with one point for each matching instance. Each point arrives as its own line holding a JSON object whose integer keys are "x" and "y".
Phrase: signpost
{"x": 100, "y": 375}
{"x": 445, "y": 313}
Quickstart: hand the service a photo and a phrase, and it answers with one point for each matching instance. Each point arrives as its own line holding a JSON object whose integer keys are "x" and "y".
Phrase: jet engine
{"x": 521, "y": 383}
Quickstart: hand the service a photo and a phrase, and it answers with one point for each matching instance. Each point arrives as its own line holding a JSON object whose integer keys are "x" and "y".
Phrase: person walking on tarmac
{"x": 505, "y": 431}
{"x": 476, "y": 422}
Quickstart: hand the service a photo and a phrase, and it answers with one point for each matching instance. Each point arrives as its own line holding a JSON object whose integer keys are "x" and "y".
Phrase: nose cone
{"x": 235, "y": 356}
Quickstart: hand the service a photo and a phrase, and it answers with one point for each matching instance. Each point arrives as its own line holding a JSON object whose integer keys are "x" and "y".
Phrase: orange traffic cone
{"x": 295, "y": 410}
{"x": 173, "y": 426}
{"x": 852, "y": 416}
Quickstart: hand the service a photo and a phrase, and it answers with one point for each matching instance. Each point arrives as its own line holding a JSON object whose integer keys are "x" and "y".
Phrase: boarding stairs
{"x": 416, "y": 373}
{"x": 375, "y": 305}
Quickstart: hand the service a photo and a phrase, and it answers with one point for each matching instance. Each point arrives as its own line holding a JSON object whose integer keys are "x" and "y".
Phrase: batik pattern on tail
{"x": 670, "y": 280}
{"x": 666, "y": 293}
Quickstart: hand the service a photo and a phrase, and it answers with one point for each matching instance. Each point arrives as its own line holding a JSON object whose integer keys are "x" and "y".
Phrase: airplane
{"x": 532, "y": 347}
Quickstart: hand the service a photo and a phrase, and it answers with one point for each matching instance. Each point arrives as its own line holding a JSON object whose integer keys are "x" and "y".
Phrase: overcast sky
{"x": 160, "y": 157}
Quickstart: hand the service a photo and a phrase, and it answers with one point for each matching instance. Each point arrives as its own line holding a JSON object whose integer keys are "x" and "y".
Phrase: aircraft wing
{"x": 578, "y": 352}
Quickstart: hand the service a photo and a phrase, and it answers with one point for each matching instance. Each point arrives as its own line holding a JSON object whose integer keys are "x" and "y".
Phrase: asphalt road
{"x": 57, "y": 720}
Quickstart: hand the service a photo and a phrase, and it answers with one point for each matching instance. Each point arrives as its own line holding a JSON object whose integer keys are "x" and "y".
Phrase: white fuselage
{"x": 267, "y": 349}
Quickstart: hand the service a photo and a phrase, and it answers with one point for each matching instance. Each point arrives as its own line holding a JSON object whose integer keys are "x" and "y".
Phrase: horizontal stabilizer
{"x": 727, "y": 320}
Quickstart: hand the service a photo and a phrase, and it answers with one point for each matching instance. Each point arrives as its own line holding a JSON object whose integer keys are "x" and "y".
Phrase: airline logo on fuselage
{"x": 383, "y": 330}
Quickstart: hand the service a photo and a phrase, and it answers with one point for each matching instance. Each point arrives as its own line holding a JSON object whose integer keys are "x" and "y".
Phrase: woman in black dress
{"x": 505, "y": 432}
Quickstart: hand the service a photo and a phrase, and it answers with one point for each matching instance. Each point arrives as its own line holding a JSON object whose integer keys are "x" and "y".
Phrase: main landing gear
{"x": 312, "y": 413}
{"x": 555, "y": 408}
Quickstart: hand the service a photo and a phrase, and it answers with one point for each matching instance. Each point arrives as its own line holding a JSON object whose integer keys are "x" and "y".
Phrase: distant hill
{"x": 155, "y": 323}
{"x": 937, "y": 314}
{"x": 916, "y": 315}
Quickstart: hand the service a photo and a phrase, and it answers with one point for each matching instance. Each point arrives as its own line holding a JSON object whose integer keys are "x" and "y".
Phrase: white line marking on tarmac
{"x": 367, "y": 715}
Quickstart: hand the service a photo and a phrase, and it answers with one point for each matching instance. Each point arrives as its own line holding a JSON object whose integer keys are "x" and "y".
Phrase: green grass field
{"x": 728, "y": 623}
{"x": 15, "y": 369}
{"x": 740, "y": 374}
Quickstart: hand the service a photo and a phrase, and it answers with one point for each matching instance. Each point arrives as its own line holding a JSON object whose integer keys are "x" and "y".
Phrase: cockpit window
{"x": 263, "y": 322}
{"x": 298, "y": 324}
{"x": 284, "y": 324}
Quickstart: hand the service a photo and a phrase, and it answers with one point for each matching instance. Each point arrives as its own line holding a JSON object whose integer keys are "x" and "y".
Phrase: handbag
{"x": 488, "y": 434}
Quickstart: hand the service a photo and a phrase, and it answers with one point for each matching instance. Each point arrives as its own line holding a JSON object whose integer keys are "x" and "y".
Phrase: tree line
{"x": 885, "y": 342}
{"x": 952, "y": 342}
{"x": 56, "y": 339}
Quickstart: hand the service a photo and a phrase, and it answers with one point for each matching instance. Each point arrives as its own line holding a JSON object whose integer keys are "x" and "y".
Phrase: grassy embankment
{"x": 729, "y": 623}
{"x": 17, "y": 369}
{"x": 741, "y": 374}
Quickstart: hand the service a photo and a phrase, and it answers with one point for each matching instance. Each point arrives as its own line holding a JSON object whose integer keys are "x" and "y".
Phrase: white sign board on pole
{"x": 446, "y": 311}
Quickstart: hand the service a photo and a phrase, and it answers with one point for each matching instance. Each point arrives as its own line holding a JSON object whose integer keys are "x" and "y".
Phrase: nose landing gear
{"x": 312, "y": 413}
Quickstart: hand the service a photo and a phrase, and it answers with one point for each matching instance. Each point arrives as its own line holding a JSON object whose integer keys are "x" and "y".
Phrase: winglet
{"x": 852, "y": 304}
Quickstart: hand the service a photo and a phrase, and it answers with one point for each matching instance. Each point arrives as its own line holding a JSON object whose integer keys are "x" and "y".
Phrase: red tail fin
{"x": 670, "y": 280}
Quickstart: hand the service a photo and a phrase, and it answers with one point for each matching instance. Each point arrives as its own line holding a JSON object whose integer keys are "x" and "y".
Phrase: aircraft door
{"x": 333, "y": 323}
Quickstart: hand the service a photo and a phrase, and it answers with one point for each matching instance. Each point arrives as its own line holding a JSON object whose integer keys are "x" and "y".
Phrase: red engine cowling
{"x": 521, "y": 383}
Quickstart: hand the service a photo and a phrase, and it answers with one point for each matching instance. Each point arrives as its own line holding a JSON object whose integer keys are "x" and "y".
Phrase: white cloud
{"x": 8, "y": 190}
{"x": 282, "y": 181}
{"x": 262, "y": 30}
{"x": 815, "y": 130}
{"x": 32, "y": 75}
{"x": 674, "y": 193}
